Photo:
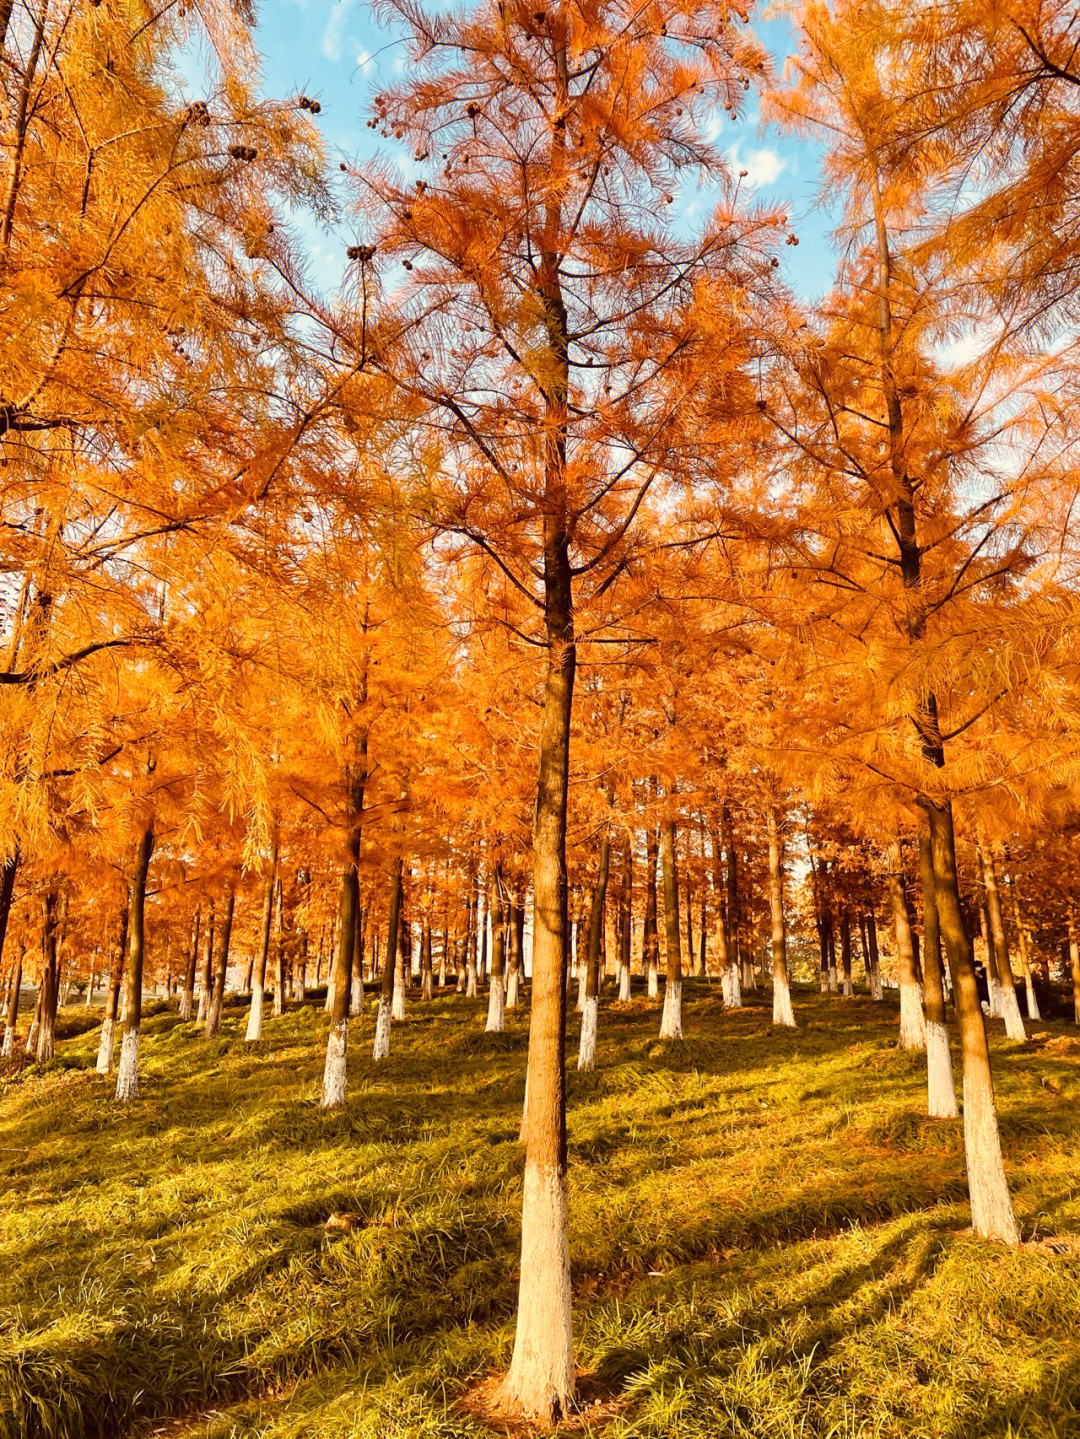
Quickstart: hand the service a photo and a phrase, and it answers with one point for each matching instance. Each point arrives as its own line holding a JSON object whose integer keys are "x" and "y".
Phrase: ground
{"x": 769, "y": 1238}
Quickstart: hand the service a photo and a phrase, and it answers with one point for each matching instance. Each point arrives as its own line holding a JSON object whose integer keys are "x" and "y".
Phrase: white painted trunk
{"x": 470, "y": 983}
{"x": 541, "y": 1378}
{"x": 848, "y": 988}
{"x": 426, "y": 986}
{"x": 106, "y": 1045}
{"x": 127, "y": 1076}
{"x": 496, "y": 1006}
{"x": 397, "y": 1009}
{"x": 586, "y": 1057}
{"x": 735, "y": 1002}
{"x": 992, "y": 1214}
{"x": 994, "y": 991}
{"x": 185, "y": 1004}
{"x": 581, "y": 990}
{"x": 381, "y": 1049}
{"x": 654, "y": 982}
{"x": 255, "y": 1014}
{"x": 783, "y": 1015}
{"x": 356, "y": 998}
{"x": 876, "y": 990}
{"x": 8, "y": 1047}
{"x": 912, "y": 1023}
{"x": 671, "y": 1021}
{"x": 335, "y": 1068}
{"x": 624, "y": 982}
{"x": 32, "y": 1037}
{"x": 941, "y": 1094}
{"x": 833, "y": 986}
{"x": 200, "y": 1018}
{"x": 1032, "y": 1002}
{"x": 1010, "y": 1010}
{"x": 513, "y": 990}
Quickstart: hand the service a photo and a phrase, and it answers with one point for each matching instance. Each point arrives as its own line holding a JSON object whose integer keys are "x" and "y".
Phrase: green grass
{"x": 769, "y": 1238}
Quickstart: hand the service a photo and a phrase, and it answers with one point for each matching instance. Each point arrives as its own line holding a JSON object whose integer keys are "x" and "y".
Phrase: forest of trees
{"x": 551, "y": 604}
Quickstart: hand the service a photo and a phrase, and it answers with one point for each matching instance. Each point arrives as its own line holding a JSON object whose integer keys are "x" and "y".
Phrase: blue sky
{"x": 333, "y": 51}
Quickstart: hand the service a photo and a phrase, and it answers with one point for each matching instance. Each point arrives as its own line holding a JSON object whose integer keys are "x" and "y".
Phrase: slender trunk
{"x": 626, "y": 902}
{"x": 127, "y": 1076}
{"x": 426, "y": 987}
{"x": 206, "y": 976}
{"x": 496, "y": 986}
{"x": 876, "y": 990}
{"x": 671, "y": 1021}
{"x": 1022, "y": 945}
{"x": 941, "y": 1093}
{"x": 587, "y": 1039}
{"x": 279, "y": 951}
{"x": 50, "y": 984}
{"x": 221, "y": 966}
{"x": 845, "y": 952}
{"x": 733, "y": 994}
{"x": 337, "y": 1041}
{"x": 258, "y": 974}
{"x": 381, "y": 1049}
{"x": 1074, "y": 964}
{"x": 650, "y": 939}
{"x": 782, "y": 1015}
{"x": 11, "y": 1019}
{"x": 1010, "y": 1009}
{"x": 187, "y": 994}
{"x": 106, "y": 1040}
{"x": 912, "y": 1024}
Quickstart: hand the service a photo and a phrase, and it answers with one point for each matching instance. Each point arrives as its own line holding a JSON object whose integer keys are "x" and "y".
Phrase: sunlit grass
{"x": 769, "y": 1239}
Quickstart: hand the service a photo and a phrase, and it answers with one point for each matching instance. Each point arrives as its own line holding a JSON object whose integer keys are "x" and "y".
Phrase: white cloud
{"x": 763, "y": 167}
{"x": 335, "y": 29}
{"x": 365, "y": 61}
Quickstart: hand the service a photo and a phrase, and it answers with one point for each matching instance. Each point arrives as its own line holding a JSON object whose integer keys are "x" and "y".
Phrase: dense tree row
{"x": 560, "y": 599}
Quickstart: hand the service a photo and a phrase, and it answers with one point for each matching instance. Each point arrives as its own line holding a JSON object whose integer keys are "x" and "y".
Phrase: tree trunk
{"x": 187, "y": 994}
{"x": 11, "y": 1019}
{"x": 991, "y": 1207}
{"x": 671, "y": 1020}
{"x": 381, "y": 1049}
{"x": 733, "y": 993}
{"x": 1022, "y": 945}
{"x": 941, "y": 1093}
{"x": 221, "y": 966}
{"x": 206, "y": 977}
{"x": 912, "y": 1025}
{"x": 650, "y": 939}
{"x": 1010, "y": 1009}
{"x": 587, "y": 1038}
{"x": 517, "y": 956}
{"x": 782, "y": 1013}
{"x": 258, "y": 974}
{"x": 127, "y": 1076}
{"x": 50, "y": 983}
{"x": 279, "y": 950}
{"x": 496, "y": 985}
{"x": 1074, "y": 964}
{"x": 335, "y": 1071}
{"x": 626, "y": 903}
{"x": 106, "y": 1040}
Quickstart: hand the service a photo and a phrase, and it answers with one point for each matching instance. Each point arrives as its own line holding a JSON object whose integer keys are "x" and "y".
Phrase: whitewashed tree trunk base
{"x": 624, "y": 983}
{"x": 540, "y": 1382}
{"x": 8, "y": 1047}
{"x": 992, "y": 1214}
{"x": 1010, "y": 1011}
{"x": 1032, "y": 1002}
{"x": 255, "y": 1016}
{"x": 496, "y": 1006}
{"x": 941, "y": 1093}
{"x": 513, "y": 990}
{"x": 586, "y": 1059}
{"x": 654, "y": 982}
{"x": 783, "y": 1015}
{"x": 671, "y": 1020}
{"x": 106, "y": 1045}
{"x": 335, "y": 1070}
{"x": 127, "y": 1076}
{"x": 381, "y": 1047}
{"x": 185, "y": 1004}
{"x": 912, "y": 1022}
{"x": 397, "y": 1005}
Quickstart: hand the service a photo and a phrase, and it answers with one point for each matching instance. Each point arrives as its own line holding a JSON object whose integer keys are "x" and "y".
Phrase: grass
{"x": 769, "y": 1238}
